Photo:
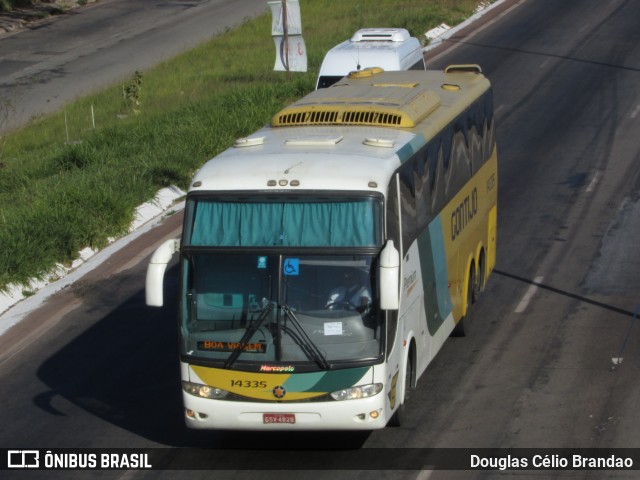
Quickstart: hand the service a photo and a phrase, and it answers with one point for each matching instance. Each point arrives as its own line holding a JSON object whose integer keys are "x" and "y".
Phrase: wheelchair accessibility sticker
{"x": 291, "y": 266}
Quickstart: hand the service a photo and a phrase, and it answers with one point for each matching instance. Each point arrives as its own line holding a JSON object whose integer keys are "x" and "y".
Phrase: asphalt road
{"x": 539, "y": 366}
{"x": 62, "y": 58}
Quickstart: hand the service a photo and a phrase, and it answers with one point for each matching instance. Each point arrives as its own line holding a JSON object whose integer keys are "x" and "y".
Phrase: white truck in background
{"x": 388, "y": 48}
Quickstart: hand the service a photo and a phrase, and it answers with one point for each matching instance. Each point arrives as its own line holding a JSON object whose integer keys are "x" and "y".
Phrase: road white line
{"x": 128, "y": 475}
{"x": 594, "y": 182}
{"x": 635, "y": 113}
{"x": 424, "y": 475}
{"x": 544, "y": 64}
{"x": 524, "y": 303}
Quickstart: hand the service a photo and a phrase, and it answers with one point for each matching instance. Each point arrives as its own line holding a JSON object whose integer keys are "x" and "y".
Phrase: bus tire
{"x": 482, "y": 275}
{"x": 458, "y": 330}
{"x": 397, "y": 419}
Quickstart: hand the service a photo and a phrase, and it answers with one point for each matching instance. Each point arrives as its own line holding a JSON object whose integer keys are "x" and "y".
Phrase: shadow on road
{"x": 125, "y": 370}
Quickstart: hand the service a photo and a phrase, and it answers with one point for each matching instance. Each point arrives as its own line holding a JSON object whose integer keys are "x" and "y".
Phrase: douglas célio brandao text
{"x": 551, "y": 461}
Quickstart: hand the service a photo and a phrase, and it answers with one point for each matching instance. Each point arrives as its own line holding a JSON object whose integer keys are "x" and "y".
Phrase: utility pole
{"x": 285, "y": 30}
{"x": 286, "y": 26}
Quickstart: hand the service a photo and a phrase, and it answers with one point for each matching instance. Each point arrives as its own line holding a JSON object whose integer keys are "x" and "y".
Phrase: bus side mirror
{"x": 389, "y": 277}
{"x": 155, "y": 272}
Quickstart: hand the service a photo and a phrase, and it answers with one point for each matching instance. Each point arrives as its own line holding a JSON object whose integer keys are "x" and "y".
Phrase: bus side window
{"x": 408, "y": 206}
{"x": 393, "y": 220}
{"x": 422, "y": 189}
{"x": 392, "y": 329}
{"x": 393, "y": 233}
{"x": 436, "y": 173}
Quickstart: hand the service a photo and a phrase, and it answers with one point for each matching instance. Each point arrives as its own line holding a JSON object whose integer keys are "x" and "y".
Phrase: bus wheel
{"x": 481, "y": 276}
{"x": 398, "y": 417}
{"x": 458, "y": 330}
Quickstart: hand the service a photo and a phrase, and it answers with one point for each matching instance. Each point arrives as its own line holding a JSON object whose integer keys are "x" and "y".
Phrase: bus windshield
{"x": 275, "y": 308}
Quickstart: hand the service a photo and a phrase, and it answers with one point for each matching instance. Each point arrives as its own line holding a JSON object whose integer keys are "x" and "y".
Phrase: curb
{"x": 15, "y": 305}
{"x": 440, "y": 39}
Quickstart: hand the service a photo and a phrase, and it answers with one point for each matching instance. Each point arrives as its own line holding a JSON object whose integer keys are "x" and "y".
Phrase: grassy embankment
{"x": 61, "y": 192}
{"x": 34, "y": 9}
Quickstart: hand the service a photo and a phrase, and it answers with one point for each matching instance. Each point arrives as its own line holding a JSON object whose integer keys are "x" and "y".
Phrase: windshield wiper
{"x": 253, "y": 328}
{"x": 305, "y": 343}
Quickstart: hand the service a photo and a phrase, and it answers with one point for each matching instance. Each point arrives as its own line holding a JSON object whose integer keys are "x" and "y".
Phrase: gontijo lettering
{"x": 464, "y": 213}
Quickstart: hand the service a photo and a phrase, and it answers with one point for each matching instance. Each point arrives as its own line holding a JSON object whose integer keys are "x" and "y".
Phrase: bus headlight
{"x": 204, "y": 391}
{"x": 353, "y": 393}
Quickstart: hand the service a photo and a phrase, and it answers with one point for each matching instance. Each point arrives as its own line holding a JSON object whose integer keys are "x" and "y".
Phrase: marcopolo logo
{"x": 23, "y": 459}
{"x": 277, "y": 368}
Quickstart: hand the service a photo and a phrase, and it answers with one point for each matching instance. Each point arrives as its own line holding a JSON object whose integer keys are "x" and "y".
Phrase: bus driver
{"x": 349, "y": 295}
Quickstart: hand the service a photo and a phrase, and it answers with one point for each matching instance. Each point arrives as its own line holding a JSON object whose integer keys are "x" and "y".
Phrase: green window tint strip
{"x": 265, "y": 224}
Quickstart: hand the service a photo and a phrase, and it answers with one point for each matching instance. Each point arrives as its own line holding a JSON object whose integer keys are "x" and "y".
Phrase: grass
{"x": 32, "y": 9}
{"x": 65, "y": 185}
{"x": 8, "y": 5}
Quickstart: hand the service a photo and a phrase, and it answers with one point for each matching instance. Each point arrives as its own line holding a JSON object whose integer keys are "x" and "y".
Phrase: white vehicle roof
{"x": 318, "y": 158}
{"x": 381, "y": 35}
{"x": 388, "y": 48}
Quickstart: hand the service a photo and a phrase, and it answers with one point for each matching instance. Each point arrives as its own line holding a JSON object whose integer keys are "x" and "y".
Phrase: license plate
{"x": 278, "y": 418}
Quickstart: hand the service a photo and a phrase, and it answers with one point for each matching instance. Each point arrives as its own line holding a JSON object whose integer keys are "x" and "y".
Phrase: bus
{"x": 325, "y": 259}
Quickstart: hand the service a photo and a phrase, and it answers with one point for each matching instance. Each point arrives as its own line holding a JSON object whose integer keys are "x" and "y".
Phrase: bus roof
{"x": 373, "y": 97}
{"x": 351, "y": 136}
{"x": 318, "y": 158}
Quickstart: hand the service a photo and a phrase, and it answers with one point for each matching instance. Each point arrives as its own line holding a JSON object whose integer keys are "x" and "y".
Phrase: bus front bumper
{"x": 361, "y": 414}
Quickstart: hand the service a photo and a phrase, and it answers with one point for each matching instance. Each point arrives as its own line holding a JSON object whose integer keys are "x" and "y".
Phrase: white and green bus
{"x": 325, "y": 259}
